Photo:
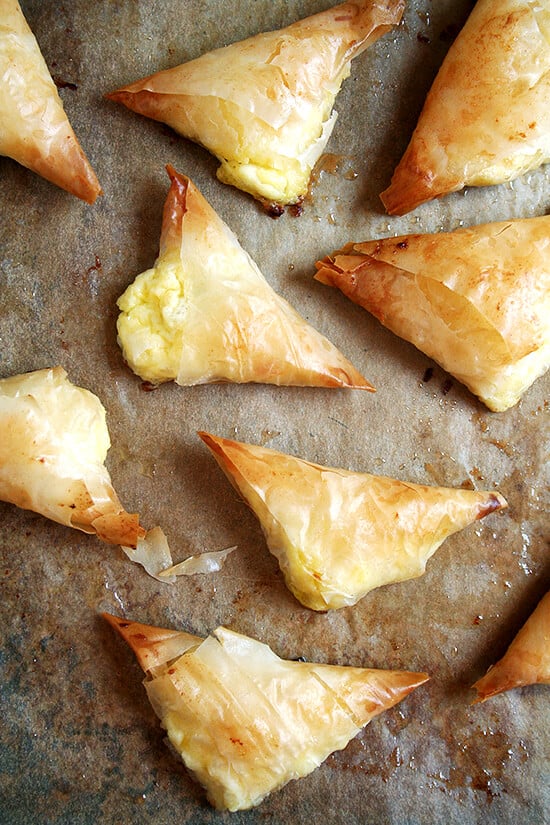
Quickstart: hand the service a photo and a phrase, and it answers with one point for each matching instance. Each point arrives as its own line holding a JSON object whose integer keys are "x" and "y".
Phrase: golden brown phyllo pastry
{"x": 486, "y": 119}
{"x": 205, "y": 313}
{"x": 527, "y": 660}
{"x": 339, "y": 534}
{"x": 476, "y": 300}
{"x": 246, "y": 722}
{"x": 53, "y": 445}
{"x": 34, "y": 129}
{"x": 263, "y": 106}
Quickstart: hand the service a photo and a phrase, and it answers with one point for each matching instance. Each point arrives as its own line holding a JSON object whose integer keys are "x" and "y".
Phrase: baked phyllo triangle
{"x": 527, "y": 660}
{"x": 476, "y": 300}
{"x": 246, "y": 722}
{"x": 486, "y": 119}
{"x": 205, "y": 313}
{"x": 264, "y": 106}
{"x": 53, "y": 445}
{"x": 339, "y": 534}
{"x": 34, "y": 129}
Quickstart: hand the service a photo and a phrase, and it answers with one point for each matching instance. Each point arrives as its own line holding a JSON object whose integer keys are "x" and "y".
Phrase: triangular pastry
{"x": 205, "y": 313}
{"x": 527, "y": 660}
{"x": 263, "y": 106}
{"x": 476, "y": 300}
{"x": 53, "y": 445}
{"x": 246, "y": 722}
{"x": 34, "y": 129}
{"x": 339, "y": 534}
{"x": 486, "y": 119}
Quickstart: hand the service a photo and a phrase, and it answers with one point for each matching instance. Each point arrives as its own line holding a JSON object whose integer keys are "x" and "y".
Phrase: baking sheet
{"x": 79, "y": 742}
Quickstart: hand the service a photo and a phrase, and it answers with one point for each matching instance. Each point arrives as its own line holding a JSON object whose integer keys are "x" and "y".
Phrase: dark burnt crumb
{"x": 423, "y": 38}
{"x": 446, "y": 386}
{"x": 96, "y": 267}
{"x": 147, "y": 386}
{"x": 64, "y": 84}
{"x": 296, "y": 209}
{"x": 274, "y": 210}
{"x": 428, "y": 375}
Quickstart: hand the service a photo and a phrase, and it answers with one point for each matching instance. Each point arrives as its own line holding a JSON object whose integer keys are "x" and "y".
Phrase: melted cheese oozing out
{"x": 153, "y": 311}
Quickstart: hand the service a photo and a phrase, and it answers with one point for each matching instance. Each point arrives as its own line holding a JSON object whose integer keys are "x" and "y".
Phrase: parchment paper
{"x": 79, "y": 741}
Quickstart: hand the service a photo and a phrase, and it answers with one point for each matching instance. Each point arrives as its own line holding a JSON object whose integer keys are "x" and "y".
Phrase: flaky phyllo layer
{"x": 527, "y": 660}
{"x": 264, "y": 106}
{"x": 205, "y": 313}
{"x": 52, "y": 452}
{"x": 486, "y": 119}
{"x": 53, "y": 445}
{"x": 476, "y": 300}
{"x": 246, "y": 722}
{"x": 34, "y": 129}
{"x": 338, "y": 534}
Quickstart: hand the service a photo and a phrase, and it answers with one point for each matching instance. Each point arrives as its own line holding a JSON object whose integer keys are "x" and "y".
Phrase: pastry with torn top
{"x": 338, "y": 534}
{"x": 476, "y": 300}
{"x": 486, "y": 119}
{"x": 527, "y": 660}
{"x": 34, "y": 129}
{"x": 246, "y": 722}
{"x": 205, "y": 313}
{"x": 264, "y": 106}
{"x": 53, "y": 445}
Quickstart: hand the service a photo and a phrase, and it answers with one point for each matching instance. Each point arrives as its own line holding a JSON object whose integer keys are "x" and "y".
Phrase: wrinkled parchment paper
{"x": 79, "y": 742}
